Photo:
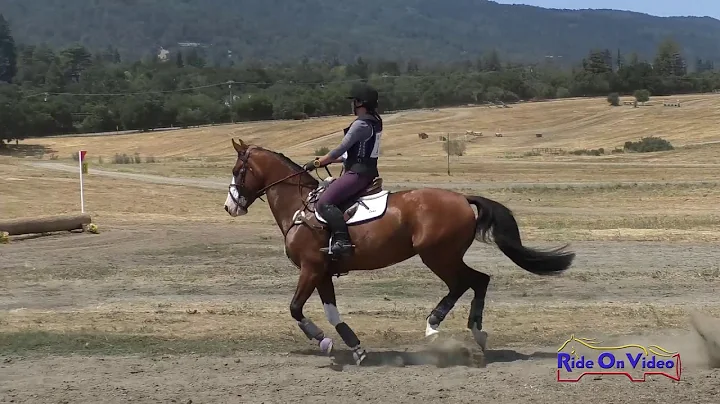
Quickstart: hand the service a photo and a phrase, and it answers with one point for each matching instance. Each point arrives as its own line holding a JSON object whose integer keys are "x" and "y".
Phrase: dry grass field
{"x": 175, "y": 301}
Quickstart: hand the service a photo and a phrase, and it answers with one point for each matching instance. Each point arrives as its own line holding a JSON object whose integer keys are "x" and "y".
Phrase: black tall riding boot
{"x": 341, "y": 244}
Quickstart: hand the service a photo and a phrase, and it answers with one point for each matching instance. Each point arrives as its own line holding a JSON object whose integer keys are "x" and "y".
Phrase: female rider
{"x": 361, "y": 144}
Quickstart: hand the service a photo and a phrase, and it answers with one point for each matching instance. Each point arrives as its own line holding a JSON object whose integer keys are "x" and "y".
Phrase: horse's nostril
{"x": 227, "y": 209}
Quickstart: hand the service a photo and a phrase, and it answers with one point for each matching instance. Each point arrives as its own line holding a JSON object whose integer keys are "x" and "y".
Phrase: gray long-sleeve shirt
{"x": 359, "y": 131}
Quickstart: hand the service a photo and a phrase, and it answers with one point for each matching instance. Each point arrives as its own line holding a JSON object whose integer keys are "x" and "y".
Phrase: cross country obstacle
{"x": 47, "y": 224}
{"x": 671, "y": 104}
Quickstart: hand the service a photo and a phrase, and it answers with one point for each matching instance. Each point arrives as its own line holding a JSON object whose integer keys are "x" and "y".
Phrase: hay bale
{"x": 538, "y": 135}
{"x": 47, "y": 224}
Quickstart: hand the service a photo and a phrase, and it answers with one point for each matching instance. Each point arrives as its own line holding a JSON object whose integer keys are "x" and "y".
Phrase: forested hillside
{"x": 427, "y": 30}
{"x": 45, "y": 91}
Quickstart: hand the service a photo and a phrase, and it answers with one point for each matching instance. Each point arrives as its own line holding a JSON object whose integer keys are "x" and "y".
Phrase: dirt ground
{"x": 199, "y": 314}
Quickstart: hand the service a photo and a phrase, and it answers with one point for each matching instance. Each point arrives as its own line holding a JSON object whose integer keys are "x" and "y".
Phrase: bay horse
{"x": 387, "y": 228}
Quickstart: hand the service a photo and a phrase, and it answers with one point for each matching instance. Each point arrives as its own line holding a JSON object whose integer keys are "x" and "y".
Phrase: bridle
{"x": 245, "y": 197}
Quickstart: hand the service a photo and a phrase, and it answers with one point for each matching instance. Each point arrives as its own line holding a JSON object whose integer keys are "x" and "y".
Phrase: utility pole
{"x": 232, "y": 99}
{"x": 447, "y": 139}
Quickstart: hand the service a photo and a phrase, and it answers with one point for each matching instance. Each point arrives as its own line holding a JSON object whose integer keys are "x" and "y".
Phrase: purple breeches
{"x": 348, "y": 186}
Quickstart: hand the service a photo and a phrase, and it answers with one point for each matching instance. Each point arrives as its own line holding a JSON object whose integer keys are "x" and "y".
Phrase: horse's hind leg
{"x": 452, "y": 275}
{"x": 479, "y": 282}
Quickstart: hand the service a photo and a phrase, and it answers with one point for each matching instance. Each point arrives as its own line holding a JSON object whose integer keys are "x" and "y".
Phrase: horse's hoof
{"x": 326, "y": 345}
{"x": 359, "y": 355}
{"x": 430, "y": 332}
{"x": 480, "y": 337}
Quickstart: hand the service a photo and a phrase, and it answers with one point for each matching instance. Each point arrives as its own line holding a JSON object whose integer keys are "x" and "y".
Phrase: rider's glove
{"x": 311, "y": 165}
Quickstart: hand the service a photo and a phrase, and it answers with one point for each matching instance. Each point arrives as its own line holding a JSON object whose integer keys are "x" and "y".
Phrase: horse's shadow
{"x": 441, "y": 358}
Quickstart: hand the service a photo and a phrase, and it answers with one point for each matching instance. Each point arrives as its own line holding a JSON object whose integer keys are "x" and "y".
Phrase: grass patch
{"x": 679, "y": 222}
{"x": 509, "y": 325}
{"x": 41, "y": 343}
{"x": 575, "y": 190}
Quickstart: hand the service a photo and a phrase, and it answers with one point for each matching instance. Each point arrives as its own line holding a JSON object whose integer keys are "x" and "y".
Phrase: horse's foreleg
{"x": 326, "y": 290}
{"x": 309, "y": 278}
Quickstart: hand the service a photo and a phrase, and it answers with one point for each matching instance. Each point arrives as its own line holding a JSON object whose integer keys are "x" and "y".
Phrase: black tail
{"x": 506, "y": 235}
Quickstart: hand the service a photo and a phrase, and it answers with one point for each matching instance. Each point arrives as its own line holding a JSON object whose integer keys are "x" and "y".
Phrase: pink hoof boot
{"x": 326, "y": 345}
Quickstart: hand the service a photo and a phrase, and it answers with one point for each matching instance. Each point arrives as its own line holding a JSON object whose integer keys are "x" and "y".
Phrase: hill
{"x": 280, "y": 30}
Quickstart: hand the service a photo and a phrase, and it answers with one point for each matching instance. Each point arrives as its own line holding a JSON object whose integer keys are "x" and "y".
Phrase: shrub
{"x": 614, "y": 99}
{"x": 562, "y": 92}
{"x": 642, "y": 96}
{"x": 122, "y": 159}
{"x": 455, "y": 147}
{"x": 590, "y": 152}
{"x": 648, "y": 145}
{"x": 322, "y": 151}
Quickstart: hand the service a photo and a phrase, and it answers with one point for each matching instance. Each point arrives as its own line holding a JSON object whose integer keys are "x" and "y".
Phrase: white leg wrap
{"x": 430, "y": 330}
{"x": 480, "y": 337}
{"x": 332, "y": 314}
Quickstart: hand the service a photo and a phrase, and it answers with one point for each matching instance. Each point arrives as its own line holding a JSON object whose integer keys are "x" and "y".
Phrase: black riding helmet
{"x": 365, "y": 94}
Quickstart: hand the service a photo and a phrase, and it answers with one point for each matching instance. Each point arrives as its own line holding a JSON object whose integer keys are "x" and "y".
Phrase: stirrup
{"x": 345, "y": 247}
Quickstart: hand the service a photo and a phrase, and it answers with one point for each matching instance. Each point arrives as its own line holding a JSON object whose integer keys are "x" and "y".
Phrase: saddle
{"x": 350, "y": 208}
{"x": 372, "y": 195}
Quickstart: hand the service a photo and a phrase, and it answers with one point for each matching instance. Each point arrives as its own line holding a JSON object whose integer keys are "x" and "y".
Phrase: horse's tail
{"x": 496, "y": 217}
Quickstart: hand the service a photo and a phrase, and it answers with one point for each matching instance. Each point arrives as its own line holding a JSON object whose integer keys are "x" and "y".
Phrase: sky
{"x": 662, "y": 8}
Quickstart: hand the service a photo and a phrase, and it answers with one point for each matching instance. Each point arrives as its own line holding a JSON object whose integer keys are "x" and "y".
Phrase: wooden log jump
{"x": 47, "y": 224}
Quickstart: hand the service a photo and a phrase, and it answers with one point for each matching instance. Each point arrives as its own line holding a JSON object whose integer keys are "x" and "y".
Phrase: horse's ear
{"x": 239, "y": 147}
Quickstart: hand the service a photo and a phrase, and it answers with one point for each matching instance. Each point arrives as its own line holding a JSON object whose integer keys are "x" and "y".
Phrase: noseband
{"x": 245, "y": 196}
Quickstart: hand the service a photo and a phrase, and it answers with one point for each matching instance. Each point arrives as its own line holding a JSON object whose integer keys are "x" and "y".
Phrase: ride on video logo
{"x": 633, "y": 361}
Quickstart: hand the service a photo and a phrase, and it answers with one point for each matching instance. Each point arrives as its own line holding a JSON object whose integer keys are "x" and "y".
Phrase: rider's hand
{"x": 311, "y": 165}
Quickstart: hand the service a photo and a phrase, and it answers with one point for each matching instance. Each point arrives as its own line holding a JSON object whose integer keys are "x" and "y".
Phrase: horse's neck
{"x": 285, "y": 199}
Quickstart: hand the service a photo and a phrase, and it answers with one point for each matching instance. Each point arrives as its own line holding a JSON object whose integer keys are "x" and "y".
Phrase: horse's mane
{"x": 285, "y": 159}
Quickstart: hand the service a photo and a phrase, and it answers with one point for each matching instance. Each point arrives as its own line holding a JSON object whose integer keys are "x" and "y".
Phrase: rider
{"x": 362, "y": 145}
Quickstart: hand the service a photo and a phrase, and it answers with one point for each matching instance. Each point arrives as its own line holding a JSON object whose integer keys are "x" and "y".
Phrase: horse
{"x": 386, "y": 228}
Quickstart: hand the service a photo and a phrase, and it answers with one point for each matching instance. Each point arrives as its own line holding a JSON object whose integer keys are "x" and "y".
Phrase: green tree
{"x": 668, "y": 61}
{"x": 8, "y": 52}
{"x": 12, "y": 117}
{"x": 73, "y": 61}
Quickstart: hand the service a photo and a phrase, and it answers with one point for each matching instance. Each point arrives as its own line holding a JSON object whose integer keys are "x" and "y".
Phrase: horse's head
{"x": 244, "y": 189}
{"x": 252, "y": 177}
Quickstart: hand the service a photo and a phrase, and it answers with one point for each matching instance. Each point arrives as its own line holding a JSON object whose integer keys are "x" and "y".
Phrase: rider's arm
{"x": 359, "y": 131}
{"x": 341, "y": 159}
